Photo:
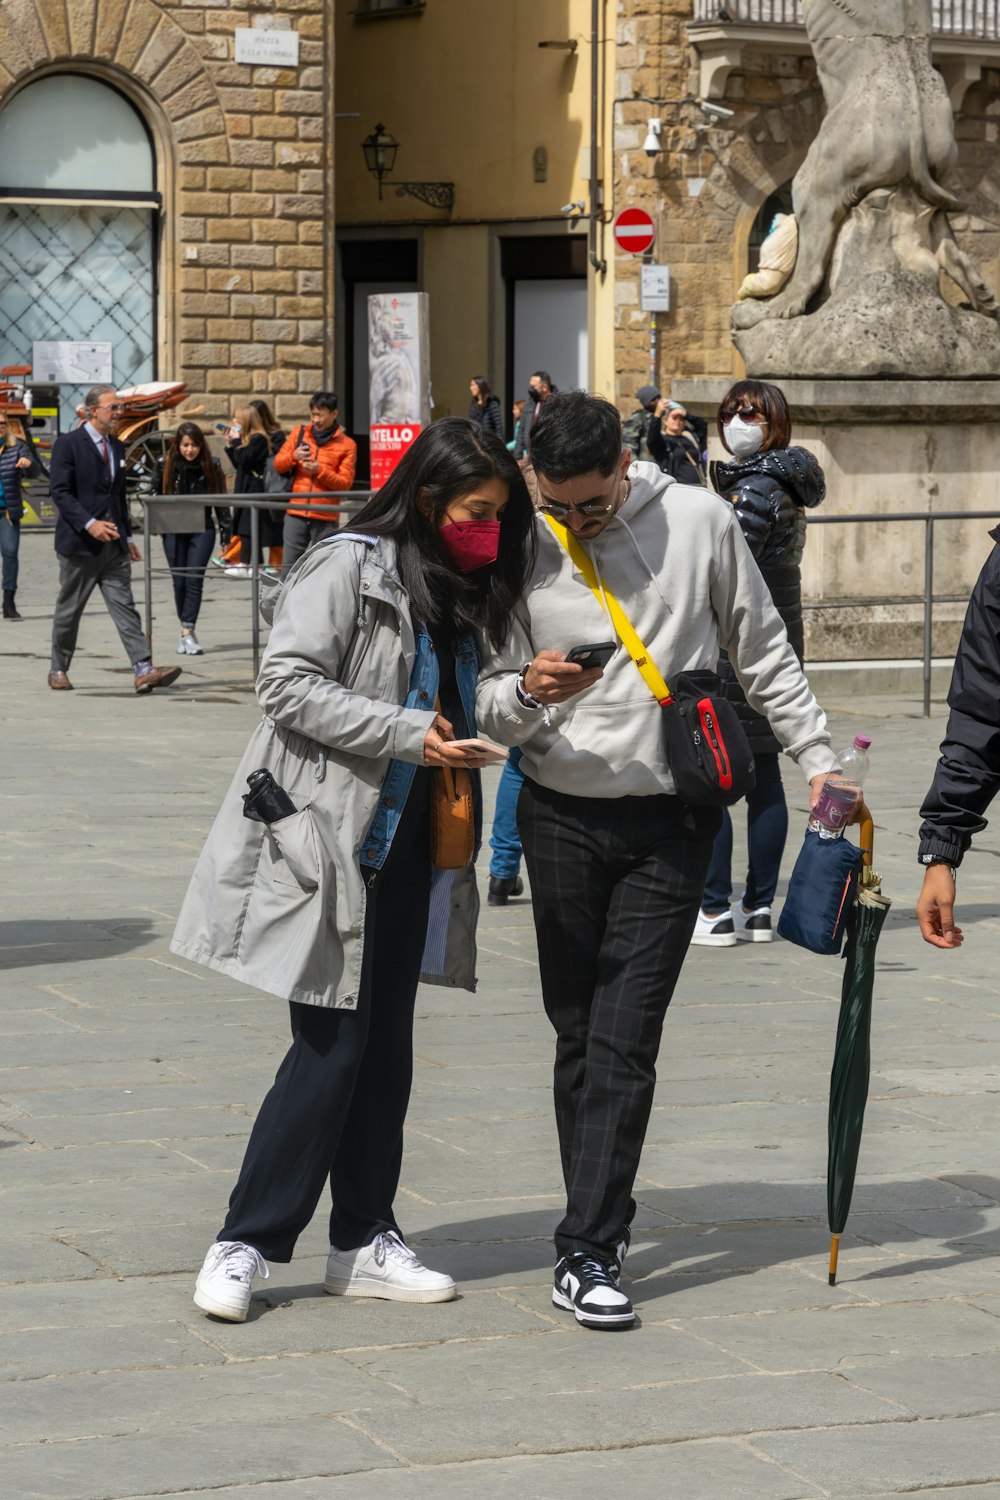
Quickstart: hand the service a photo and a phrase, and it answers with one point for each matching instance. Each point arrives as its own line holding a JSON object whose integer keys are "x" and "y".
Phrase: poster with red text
{"x": 389, "y": 441}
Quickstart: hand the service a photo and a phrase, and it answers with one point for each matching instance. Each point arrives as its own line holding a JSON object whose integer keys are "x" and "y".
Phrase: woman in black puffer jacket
{"x": 771, "y": 485}
{"x": 484, "y": 407}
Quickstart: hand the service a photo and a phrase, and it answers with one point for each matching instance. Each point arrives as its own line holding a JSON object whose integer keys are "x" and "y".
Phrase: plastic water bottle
{"x": 840, "y": 790}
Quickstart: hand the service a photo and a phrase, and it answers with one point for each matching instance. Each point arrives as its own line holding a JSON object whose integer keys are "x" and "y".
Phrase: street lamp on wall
{"x": 380, "y": 157}
{"x": 380, "y": 153}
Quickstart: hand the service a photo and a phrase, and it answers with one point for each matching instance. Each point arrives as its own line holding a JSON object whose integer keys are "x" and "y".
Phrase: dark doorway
{"x": 545, "y": 280}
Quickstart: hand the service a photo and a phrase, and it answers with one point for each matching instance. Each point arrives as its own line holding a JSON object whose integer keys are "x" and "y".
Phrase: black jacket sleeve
{"x": 656, "y": 443}
{"x": 63, "y": 485}
{"x": 968, "y": 771}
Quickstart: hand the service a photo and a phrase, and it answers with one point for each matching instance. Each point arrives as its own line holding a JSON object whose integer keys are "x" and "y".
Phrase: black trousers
{"x": 615, "y": 888}
{"x": 336, "y": 1108}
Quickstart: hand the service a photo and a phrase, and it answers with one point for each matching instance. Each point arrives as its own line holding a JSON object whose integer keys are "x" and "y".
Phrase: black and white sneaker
{"x": 621, "y": 1250}
{"x": 714, "y": 932}
{"x": 752, "y": 926}
{"x": 588, "y": 1288}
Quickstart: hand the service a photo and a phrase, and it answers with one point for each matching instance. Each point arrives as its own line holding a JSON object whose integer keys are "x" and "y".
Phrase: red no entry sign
{"x": 634, "y": 231}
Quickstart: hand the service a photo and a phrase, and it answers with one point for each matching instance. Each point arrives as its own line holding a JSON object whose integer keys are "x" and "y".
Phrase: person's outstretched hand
{"x": 936, "y": 908}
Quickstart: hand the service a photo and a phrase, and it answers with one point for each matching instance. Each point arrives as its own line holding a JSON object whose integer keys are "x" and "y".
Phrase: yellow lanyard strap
{"x": 606, "y": 599}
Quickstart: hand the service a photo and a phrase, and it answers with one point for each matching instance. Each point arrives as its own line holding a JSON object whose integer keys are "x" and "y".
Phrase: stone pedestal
{"x": 887, "y": 447}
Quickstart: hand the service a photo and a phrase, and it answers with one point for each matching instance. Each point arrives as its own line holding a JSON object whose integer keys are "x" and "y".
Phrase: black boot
{"x": 9, "y": 607}
{"x": 502, "y": 888}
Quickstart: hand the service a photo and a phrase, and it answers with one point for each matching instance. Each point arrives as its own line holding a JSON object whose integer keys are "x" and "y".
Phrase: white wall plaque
{"x": 267, "y": 49}
{"x": 654, "y": 288}
{"x": 67, "y": 363}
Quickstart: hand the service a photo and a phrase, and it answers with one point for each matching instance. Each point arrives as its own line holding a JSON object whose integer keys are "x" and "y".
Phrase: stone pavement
{"x": 129, "y": 1078}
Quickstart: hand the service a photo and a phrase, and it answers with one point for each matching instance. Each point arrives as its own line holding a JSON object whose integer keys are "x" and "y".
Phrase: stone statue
{"x": 871, "y": 206}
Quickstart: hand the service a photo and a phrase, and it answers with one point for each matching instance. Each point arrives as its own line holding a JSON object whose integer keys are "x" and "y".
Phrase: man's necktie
{"x": 104, "y": 454}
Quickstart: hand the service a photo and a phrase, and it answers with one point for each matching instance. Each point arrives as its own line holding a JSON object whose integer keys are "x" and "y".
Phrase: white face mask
{"x": 744, "y": 438}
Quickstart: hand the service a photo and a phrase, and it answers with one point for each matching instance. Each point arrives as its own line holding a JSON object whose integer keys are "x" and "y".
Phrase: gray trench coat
{"x": 283, "y": 908}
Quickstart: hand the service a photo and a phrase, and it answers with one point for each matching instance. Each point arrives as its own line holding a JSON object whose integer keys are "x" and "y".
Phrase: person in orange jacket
{"x": 322, "y": 457}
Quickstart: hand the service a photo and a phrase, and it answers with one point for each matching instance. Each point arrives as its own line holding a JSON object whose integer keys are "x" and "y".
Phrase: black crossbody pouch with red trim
{"x": 707, "y": 748}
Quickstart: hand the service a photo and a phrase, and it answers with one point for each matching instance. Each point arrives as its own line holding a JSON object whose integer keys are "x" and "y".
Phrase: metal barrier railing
{"x": 350, "y": 501}
{"x": 929, "y": 521}
{"x": 335, "y": 502}
{"x": 967, "y": 18}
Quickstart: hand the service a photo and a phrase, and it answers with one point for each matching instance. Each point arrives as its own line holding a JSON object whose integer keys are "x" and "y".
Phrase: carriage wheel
{"x": 142, "y": 455}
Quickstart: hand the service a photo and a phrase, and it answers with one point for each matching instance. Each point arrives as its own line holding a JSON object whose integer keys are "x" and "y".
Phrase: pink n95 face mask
{"x": 471, "y": 544}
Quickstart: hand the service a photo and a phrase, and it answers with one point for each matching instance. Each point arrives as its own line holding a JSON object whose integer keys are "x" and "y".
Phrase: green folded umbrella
{"x": 852, "y": 1054}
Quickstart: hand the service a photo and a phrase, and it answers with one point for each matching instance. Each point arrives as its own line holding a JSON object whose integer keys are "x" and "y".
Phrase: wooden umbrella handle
{"x": 866, "y": 838}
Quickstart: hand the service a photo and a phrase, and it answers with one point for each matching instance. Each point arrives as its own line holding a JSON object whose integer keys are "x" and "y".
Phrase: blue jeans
{"x": 767, "y": 828}
{"x": 188, "y": 554}
{"x": 505, "y": 841}
{"x": 10, "y": 539}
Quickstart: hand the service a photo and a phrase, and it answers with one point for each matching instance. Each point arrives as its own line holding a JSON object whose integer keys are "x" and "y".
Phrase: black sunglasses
{"x": 743, "y": 412}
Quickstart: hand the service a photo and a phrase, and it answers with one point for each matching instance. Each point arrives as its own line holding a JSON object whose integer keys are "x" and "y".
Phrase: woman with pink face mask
{"x": 368, "y": 678}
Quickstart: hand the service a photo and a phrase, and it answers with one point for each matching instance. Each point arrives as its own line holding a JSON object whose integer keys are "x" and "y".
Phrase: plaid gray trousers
{"x": 616, "y": 884}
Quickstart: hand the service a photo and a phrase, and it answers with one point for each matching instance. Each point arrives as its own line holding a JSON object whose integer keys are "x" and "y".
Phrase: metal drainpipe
{"x": 599, "y": 265}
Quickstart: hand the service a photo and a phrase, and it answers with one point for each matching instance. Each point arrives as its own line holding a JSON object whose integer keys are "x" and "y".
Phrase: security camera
{"x": 715, "y": 111}
{"x": 651, "y": 145}
{"x": 576, "y": 207}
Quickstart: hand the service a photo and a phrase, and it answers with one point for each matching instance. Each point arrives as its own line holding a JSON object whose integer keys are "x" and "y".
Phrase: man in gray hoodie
{"x": 616, "y": 861}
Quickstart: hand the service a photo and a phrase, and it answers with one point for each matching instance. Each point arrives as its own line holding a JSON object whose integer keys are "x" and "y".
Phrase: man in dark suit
{"x": 93, "y": 543}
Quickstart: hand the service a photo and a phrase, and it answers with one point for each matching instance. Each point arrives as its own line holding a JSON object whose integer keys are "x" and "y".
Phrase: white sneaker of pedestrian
{"x": 182, "y": 646}
{"x": 192, "y": 646}
{"x": 237, "y": 570}
{"x": 752, "y": 926}
{"x": 714, "y": 932}
{"x": 385, "y": 1268}
{"x": 226, "y": 1279}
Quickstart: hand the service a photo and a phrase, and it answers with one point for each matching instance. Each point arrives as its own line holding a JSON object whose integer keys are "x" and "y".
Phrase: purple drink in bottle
{"x": 840, "y": 790}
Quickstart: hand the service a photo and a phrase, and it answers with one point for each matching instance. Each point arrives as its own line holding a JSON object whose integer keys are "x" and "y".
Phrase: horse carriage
{"x": 14, "y": 400}
{"x": 138, "y": 428}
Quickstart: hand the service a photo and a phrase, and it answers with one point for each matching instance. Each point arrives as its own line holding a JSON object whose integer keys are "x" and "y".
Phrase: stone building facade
{"x": 716, "y": 177}
{"x": 239, "y": 198}
{"x": 887, "y": 447}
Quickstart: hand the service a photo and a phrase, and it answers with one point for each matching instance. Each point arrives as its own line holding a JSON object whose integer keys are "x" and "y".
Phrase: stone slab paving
{"x": 128, "y": 1081}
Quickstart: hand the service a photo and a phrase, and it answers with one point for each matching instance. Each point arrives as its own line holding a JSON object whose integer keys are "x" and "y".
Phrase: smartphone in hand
{"x": 493, "y": 755}
{"x": 597, "y": 655}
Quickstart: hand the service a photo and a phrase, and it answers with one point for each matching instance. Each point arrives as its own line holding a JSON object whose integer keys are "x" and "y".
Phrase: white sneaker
{"x": 385, "y": 1268}
{"x": 714, "y": 932}
{"x": 237, "y": 570}
{"x": 191, "y": 644}
{"x": 181, "y": 647}
{"x": 225, "y": 1280}
{"x": 752, "y": 926}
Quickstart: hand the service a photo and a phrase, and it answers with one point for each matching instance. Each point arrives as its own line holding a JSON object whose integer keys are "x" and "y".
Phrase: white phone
{"x": 492, "y": 754}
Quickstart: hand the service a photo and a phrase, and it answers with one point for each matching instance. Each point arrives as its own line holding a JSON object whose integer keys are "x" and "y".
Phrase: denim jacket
{"x": 399, "y": 778}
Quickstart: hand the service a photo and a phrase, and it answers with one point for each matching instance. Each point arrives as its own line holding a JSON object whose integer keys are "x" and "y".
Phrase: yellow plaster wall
{"x": 469, "y": 95}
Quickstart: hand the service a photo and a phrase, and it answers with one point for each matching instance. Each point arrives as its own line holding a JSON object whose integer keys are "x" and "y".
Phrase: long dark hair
{"x": 448, "y": 460}
{"x": 267, "y": 417}
{"x": 213, "y": 479}
{"x": 483, "y": 387}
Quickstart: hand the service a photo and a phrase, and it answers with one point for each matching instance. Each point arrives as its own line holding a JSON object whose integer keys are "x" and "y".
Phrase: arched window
{"x": 780, "y": 202}
{"x": 78, "y": 226}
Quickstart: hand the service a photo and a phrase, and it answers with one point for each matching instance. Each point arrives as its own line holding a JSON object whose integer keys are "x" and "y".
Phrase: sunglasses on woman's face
{"x": 745, "y": 413}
